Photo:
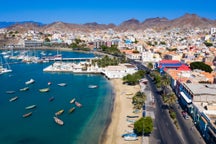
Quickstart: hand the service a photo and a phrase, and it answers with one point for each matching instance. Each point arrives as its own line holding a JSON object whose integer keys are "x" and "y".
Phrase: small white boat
{"x": 58, "y": 121}
{"x": 10, "y": 92}
{"x": 78, "y": 104}
{"x": 27, "y": 114}
{"x": 30, "y": 81}
{"x": 44, "y": 90}
{"x": 24, "y": 89}
{"x": 62, "y": 84}
{"x": 30, "y": 107}
{"x": 92, "y": 86}
{"x": 13, "y": 99}
{"x": 130, "y": 137}
{"x": 59, "y": 112}
{"x": 73, "y": 100}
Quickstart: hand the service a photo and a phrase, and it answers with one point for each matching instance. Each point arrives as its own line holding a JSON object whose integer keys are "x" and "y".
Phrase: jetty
{"x": 85, "y": 67}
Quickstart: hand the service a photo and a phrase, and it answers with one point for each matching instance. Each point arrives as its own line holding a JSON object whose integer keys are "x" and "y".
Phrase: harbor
{"x": 85, "y": 67}
{"x": 16, "y": 96}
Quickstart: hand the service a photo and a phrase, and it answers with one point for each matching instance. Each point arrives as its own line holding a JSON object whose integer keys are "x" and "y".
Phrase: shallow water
{"x": 84, "y": 125}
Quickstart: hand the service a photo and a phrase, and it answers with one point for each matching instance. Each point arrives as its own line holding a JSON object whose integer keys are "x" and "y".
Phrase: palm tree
{"x": 150, "y": 66}
{"x": 170, "y": 99}
{"x": 165, "y": 82}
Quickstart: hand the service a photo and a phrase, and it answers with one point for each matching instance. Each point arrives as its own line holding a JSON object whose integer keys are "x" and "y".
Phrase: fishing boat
{"x": 31, "y": 81}
{"x": 58, "y": 121}
{"x": 128, "y": 116}
{"x": 44, "y": 90}
{"x": 62, "y": 84}
{"x": 30, "y": 107}
{"x": 73, "y": 100}
{"x": 78, "y": 104}
{"x": 27, "y": 114}
{"x": 4, "y": 68}
{"x": 51, "y": 98}
{"x": 59, "y": 112}
{"x": 92, "y": 86}
{"x": 13, "y": 99}
{"x": 130, "y": 137}
{"x": 49, "y": 83}
{"x": 10, "y": 92}
{"x": 24, "y": 89}
{"x": 71, "y": 109}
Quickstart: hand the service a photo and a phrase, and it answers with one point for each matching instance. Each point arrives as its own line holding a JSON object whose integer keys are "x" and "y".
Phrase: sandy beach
{"x": 122, "y": 107}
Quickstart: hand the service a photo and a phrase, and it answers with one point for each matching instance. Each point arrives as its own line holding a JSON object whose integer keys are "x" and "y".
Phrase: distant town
{"x": 186, "y": 55}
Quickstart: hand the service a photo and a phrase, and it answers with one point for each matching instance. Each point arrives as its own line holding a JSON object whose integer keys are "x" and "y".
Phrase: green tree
{"x": 134, "y": 78}
{"x": 208, "y": 44}
{"x": 201, "y": 66}
{"x": 170, "y": 99}
{"x": 47, "y": 39}
{"x": 138, "y": 100}
{"x": 150, "y": 66}
{"x": 143, "y": 126}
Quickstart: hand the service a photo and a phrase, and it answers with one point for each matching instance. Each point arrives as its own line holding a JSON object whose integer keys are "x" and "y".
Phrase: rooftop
{"x": 202, "y": 89}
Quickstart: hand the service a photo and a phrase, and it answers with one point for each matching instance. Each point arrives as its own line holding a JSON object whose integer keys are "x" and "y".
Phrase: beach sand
{"x": 122, "y": 107}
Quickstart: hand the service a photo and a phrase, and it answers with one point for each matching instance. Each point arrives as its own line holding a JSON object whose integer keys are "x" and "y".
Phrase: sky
{"x": 101, "y": 11}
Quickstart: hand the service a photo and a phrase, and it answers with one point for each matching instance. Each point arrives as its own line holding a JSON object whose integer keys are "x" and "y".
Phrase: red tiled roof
{"x": 184, "y": 68}
{"x": 169, "y": 61}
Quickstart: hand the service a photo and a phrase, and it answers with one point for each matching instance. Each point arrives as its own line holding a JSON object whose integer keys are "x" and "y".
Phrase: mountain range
{"x": 185, "y": 21}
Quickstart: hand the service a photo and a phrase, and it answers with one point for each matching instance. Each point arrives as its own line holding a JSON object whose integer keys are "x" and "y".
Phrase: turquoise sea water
{"x": 83, "y": 126}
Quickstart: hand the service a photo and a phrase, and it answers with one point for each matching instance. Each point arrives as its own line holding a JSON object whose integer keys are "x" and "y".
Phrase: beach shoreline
{"x": 122, "y": 106}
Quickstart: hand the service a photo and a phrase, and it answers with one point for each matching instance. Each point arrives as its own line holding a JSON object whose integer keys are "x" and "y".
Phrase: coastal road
{"x": 165, "y": 132}
{"x": 164, "y": 125}
{"x": 188, "y": 130}
{"x": 187, "y": 134}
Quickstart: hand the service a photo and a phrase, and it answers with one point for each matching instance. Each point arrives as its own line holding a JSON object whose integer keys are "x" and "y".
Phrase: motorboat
{"x": 30, "y": 107}
{"x": 71, "y": 109}
{"x": 78, "y": 104}
{"x": 59, "y": 112}
{"x": 44, "y": 90}
{"x": 51, "y": 98}
{"x": 10, "y": 92}
{"x": 24, "y": 89}
{"x": 62, "y": 84}
{"x": 13, "y": 99}
{"x": 58, "y": 121}
{"x": 73, "y": 100}
{"x": 4, "y": 68}
{"x": 31, "y": 81}
{"x": 92, "y": 86}
{"x": 27, "y": 114}
{"x": 130, "y": 137}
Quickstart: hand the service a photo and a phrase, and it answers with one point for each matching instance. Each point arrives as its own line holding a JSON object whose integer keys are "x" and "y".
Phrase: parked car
{"x": 185, "y": 114}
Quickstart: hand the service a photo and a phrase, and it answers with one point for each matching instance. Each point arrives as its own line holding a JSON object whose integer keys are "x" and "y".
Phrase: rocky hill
{"x": 185, "y": 21}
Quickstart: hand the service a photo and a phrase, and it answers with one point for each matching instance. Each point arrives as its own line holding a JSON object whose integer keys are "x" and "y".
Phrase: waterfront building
{"x": 33, "y": 43}
{"x": 119, "y": 71}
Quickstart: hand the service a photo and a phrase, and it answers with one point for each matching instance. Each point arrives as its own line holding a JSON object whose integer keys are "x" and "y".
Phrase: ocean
{"x": 83, "y": 126}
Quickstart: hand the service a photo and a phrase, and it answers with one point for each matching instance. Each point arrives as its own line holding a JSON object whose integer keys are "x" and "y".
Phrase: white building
{"x": 212, "y": 30}
{"x": 148, "y": 56}
{"x": 119, "y": 71}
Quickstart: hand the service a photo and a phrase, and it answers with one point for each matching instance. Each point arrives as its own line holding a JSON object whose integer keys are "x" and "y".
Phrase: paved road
{"x": 188, "y": 130}
{"x": 165, "y": 127}
{"x": 165, "y": 131}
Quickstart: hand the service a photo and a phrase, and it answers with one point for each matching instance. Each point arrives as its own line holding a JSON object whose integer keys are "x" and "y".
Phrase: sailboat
{"x": 4, "y": 68}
